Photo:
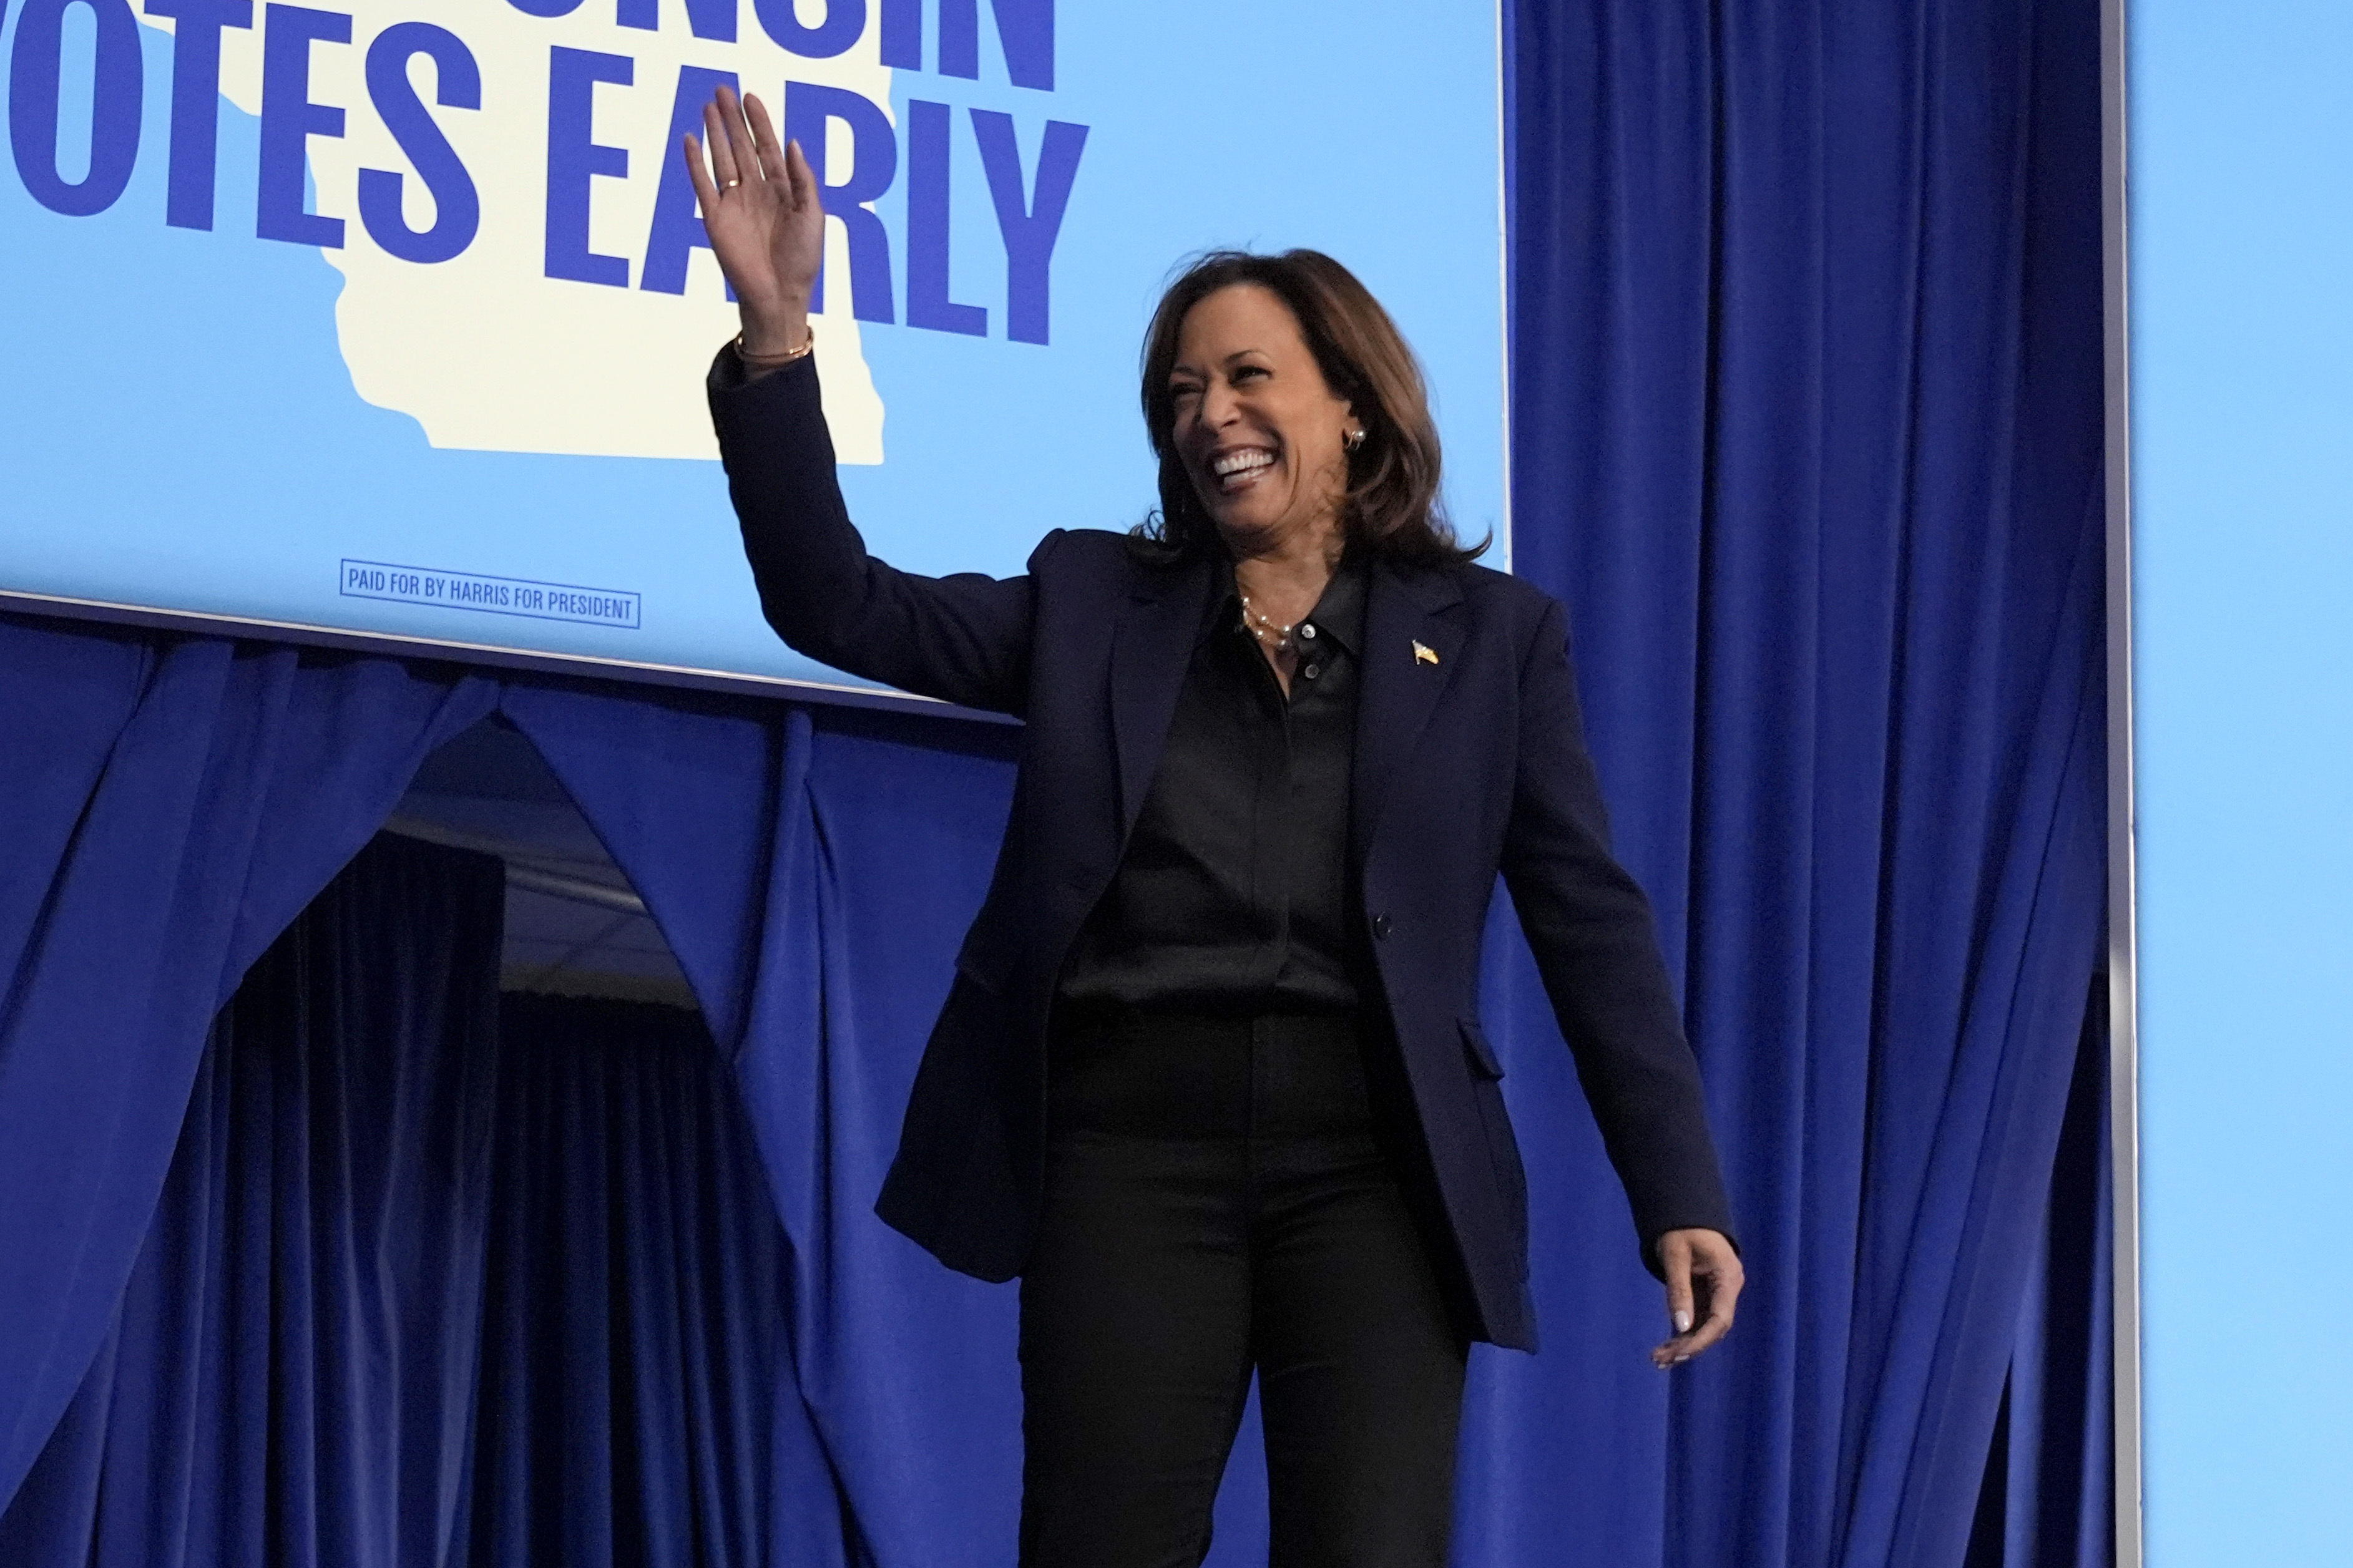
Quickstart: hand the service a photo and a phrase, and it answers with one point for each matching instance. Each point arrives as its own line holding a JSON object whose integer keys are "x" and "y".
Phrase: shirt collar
{"x": 1339, "y": 615}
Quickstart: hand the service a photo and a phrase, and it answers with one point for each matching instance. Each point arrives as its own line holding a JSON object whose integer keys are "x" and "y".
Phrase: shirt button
{"x": 1307, "y": 632}
{"x": 1381, "y": 927}
{"x": 1311, "y": 671}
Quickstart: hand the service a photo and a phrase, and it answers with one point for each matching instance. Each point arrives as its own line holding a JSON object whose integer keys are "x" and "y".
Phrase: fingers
{"x": 715, "y": 138}
{"x": 803, "y": 178}
{"x": 1703, "y": 1281}
{"x": 1719, "y": 1296}
{"x": 706, "y": 195}
{"x": 742, "y": 146}
{"x": 739, "y": 138}
{"x": 1675, "y": 1263}
{"x": 1675, "y": 1260}
{"x": 764, "y": 146}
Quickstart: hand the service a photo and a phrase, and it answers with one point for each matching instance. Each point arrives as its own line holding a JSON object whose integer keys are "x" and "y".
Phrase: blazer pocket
{"x": 1475, "y": 1047}
{"x": 969, "y": 972}
{"x": 985, "y": 963}
{"x": 1502, "y": 1149}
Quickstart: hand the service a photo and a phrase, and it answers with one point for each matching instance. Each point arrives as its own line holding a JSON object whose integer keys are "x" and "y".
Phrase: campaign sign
{"x": 392, "y": 320}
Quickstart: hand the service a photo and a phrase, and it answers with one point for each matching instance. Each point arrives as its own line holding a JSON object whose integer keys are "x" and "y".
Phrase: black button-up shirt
{"x": 1234, "y": 894}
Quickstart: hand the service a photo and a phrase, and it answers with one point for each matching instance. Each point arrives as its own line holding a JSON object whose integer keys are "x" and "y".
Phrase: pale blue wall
{"x": 2243, "y": 337}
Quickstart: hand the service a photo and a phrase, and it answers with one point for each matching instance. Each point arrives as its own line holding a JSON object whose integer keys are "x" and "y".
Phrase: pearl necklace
{"x": 1264, "y": 629}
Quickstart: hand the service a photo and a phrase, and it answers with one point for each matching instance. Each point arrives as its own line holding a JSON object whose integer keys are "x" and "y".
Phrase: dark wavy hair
{"x": 1391, "y": 510}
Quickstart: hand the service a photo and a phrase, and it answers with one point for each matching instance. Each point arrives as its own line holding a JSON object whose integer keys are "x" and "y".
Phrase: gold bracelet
{"x": 808, "y": 342}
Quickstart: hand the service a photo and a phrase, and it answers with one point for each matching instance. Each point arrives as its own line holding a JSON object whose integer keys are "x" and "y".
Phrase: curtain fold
{"x": 172, "y": 804}
{"x": 290, "y": 1376}
{"x": 2050, "y": 1496}
{"x": 635, "y": 1338}
{"x": 1826, "y": 450}
{"x": 438, "y": 1281}
{"x": 821, "y": 957}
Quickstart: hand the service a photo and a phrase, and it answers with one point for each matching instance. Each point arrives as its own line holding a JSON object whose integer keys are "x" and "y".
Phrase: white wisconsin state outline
{"x": 483, "y": 349}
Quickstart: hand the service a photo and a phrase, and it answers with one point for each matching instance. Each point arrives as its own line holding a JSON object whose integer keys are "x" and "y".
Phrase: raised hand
{"x": 760, "y": 207}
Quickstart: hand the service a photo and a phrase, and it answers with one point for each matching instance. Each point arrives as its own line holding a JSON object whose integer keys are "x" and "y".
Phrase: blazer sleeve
{"x": 963, "y": 639}
{"x": 1590, "y": 927}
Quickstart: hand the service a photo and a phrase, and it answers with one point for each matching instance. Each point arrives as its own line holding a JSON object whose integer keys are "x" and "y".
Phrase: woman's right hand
{"x": 760, "y": 209}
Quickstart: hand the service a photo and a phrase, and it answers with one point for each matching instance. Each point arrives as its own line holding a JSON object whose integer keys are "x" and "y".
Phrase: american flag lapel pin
{"x": 1424, "y": 654}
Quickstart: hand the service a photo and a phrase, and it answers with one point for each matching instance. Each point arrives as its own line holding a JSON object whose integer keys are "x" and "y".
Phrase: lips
{"x": 1239, "y": 467}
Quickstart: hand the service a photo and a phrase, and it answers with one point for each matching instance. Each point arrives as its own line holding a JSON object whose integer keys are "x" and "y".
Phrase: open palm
{"x": 760, "y": 207}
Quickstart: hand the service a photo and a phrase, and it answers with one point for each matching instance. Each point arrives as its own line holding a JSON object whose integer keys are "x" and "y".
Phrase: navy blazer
{"x": 1468, "y": 761}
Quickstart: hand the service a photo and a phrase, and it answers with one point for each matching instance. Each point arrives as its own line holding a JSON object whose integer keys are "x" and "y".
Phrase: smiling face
{"x": 1260, "y": 434}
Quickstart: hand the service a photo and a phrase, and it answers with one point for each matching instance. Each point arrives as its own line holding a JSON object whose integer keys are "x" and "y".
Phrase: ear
{"x": 1352, "y": 429}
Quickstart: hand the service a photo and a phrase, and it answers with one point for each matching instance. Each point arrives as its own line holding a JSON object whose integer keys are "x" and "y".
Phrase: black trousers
{"x": 1220, "y": 1199}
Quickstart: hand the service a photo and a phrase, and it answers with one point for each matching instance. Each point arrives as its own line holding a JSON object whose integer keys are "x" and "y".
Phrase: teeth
{"x": 1241, "y": 462}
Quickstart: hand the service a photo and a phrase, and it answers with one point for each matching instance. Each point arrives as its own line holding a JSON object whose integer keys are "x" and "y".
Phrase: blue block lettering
{"x": 457, "y": 84}
{"x": 960, "y": 38}
{"x": 1030, "y": 226}
{"x": 928, "y": 304}
{"x": 195, "y": 103}
{"x": 288, "y": 120}
{"x": 677, "y": 228}
{"x": 810, "y": 109}
{"x": 902, "y": 35}
{"x": 712, "y": 19}
{"x": 1025, "y": 28}
{"x": 844, "y": 21}
{"x": 546, "y": 8}
{"x": 574, "y": 159}
{"x": 35, "y": 69}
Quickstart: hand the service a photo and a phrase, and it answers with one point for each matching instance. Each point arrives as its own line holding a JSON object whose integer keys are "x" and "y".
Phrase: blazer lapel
{"x": 1411, "y": 642}
{"x": 1151, "y": 648}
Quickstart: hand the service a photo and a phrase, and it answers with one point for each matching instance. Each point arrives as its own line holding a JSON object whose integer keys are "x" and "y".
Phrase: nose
{"x": 1218, "y": 406}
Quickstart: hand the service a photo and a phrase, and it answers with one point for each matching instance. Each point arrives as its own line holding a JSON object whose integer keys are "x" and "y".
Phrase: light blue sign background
{"x": 179, "y": 429}
{"x": 2242, "y": 146}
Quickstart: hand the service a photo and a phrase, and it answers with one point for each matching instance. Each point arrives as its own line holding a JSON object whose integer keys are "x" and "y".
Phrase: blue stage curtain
{"x": 2049, "y": 1498}
{"x": 288, "y": 1381}
{"x": 436, "y": 1281}
{"x": 814, "y": 870}
{"x": 170, "y": 806}
{"x": 1807, "y": 431}
{"x": 633, "y": 1344}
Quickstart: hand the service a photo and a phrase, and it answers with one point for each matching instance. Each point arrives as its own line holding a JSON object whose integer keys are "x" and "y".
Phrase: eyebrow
{"x": 1181, "y": 369}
